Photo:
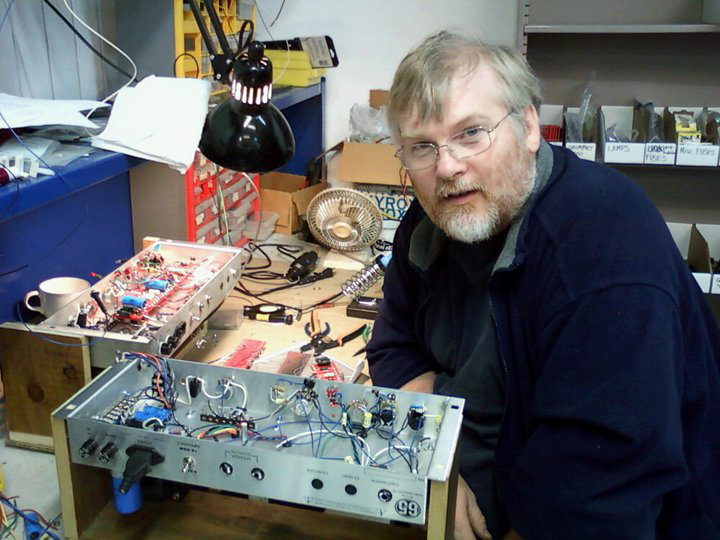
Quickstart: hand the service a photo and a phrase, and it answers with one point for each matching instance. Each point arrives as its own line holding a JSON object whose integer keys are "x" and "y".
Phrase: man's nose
{"x": 448, "y": 166}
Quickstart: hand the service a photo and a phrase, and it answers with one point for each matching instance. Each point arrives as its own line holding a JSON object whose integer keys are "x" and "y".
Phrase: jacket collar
{"x": 427, "y": 240}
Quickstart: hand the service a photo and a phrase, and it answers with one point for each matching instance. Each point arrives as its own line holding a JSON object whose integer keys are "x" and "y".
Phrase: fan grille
{"x": 344, "y": 219}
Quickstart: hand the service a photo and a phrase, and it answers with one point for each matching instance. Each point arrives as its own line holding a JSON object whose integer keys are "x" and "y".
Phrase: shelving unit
{"x": 663, "y": 51}
{"x": 163, "y": 38}
{"x": 621, "y": 28}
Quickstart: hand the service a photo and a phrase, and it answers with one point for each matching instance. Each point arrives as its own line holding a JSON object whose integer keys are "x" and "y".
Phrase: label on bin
{"x": 697, "y": 154}
{"x": 582, "y": 150}
{"x": 624, "y": 152}
{"x": 660, "y": 153}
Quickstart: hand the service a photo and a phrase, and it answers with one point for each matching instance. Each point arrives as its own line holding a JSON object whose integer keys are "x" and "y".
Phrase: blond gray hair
{"x": 422, "y": 80}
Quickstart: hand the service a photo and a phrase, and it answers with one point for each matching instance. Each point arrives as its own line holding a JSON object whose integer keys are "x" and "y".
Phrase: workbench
{"x": 85, "y": 491}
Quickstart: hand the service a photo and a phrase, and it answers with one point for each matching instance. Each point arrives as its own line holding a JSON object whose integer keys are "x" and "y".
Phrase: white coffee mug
{"x": 52, "y": 294}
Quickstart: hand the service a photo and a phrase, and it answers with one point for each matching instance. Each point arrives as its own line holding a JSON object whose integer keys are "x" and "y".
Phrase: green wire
{"x": 366, "y": 333}
{"x": 7, "y": 529}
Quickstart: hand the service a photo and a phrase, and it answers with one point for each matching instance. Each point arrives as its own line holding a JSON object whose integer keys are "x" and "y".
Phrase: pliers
{"x": 317, "y": 336}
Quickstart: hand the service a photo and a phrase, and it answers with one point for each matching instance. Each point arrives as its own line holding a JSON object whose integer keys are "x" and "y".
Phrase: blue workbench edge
{"x": 80, "y": 174}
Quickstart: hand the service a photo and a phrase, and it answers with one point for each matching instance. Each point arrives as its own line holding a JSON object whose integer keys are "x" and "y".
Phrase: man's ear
{"x": 532, "y": 129}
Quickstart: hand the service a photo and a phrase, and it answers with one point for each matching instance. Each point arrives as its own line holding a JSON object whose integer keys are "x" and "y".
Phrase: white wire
{"x": 244, "y": 390}
{"x": 147, "y": 422}
{"x": 387, "y": 449}
{"x": 260, "y": 206}
{"x": 95, "y": 33}
{"x": 186, "y": 384}
{"x": 287, "y": 56}
{"x": 226, "y": 387}
{"x": 221, "y": 210}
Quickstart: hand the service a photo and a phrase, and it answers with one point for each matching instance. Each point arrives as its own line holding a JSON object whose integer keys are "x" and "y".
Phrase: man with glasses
{"x": 546, "y": 291}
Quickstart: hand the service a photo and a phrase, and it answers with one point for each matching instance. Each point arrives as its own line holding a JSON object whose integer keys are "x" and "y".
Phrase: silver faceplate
{"x": 375, "y": 478}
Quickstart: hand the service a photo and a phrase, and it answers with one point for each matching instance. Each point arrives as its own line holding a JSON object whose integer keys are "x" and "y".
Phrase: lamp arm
{"x": 221, "y": 63}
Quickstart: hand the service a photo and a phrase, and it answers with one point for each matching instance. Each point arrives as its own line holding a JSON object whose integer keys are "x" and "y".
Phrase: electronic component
{"x": 245, "y": 354}
{"x": 150, "y": 415}
{"x": 153, "y": 301}
{"x": 324, "y": 369}
{"x": 347, "y": 447}
{"x": 157, "y": 284}
{"x": 364, "y": 307}
{"x": 134, "y": 301}
{"x": 302, "y": 266}
{"x": 267, "y": 313}
{"x": 416, "y": 417}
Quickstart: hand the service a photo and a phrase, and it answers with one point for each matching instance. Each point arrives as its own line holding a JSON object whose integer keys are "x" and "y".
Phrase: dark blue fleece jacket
{"x": 611, "y": 427}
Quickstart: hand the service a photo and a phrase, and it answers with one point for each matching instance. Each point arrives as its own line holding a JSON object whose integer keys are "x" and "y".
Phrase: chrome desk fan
{"x": 348, "y": 223}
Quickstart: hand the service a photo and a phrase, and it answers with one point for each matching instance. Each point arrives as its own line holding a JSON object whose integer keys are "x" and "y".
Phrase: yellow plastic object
{"x": 188, "y": 41}
{"x": 289, "y": 59}
{"x": 297, "y": 77}
{"x": 686, "y": 129}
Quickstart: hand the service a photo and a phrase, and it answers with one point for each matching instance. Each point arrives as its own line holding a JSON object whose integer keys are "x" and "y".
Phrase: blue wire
{"x": 7, "y": 12}
{"x": 25, "y": 516}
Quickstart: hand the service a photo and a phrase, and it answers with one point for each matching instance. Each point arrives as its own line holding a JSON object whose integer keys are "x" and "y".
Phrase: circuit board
{"x": 360, "y": 449}
{"x": 153, "y": 301}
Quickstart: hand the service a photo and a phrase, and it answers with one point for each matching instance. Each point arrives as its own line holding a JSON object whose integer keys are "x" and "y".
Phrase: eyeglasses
{"x": 468, "y": 143}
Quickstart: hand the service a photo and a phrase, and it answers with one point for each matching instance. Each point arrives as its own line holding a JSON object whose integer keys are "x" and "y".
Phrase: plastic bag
{"x": 368, "y": 124}
{"x": 579, "y": 126}
{"x": 647, "y": 124}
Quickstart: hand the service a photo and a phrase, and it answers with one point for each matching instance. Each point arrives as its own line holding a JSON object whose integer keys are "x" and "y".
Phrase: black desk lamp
{"x": 245, "y": 132}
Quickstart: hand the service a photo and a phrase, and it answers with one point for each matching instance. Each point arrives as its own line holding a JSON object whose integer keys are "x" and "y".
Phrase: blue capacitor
{"x": 134, "y": 301}
{"x": 159, "y": 284}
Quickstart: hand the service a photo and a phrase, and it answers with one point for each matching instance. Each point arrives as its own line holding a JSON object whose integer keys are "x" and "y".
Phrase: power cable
{"x": 88, "y": 44}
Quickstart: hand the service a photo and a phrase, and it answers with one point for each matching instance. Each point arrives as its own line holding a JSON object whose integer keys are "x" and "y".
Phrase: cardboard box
{"x": 582, "y": 149}
{"x": 711, "y": 234}
{"x": 657, "y": 152}
{"x": 697, "y": 155}
{"x": 286, "y": 195}
{"x": 695, "y": 250}
{"x": 366, "y": 163}
{"x": 619, "y": 152}
{"x": 378, "y": 98}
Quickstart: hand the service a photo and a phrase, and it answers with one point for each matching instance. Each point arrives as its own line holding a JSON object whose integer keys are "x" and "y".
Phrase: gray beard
{"x": 468, "y": 226}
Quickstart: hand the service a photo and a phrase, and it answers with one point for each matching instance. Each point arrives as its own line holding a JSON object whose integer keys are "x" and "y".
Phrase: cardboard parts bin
{"x": 366, "y": 162}
{"x": 284, "y": 194}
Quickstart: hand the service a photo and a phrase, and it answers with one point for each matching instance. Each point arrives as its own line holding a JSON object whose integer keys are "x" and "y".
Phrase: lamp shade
{"x": 246, "y": 132}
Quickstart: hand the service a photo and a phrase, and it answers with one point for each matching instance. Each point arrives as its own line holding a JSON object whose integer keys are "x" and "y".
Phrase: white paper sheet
{"x": 160, "y": 119}
{"x": 21, "y": 112}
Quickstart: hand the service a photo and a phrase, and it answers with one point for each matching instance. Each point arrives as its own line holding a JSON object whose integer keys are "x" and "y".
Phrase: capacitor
{"x": 416, "y": 417}
{"x": 133, "y": 301}
{"x": 157, "y": 284}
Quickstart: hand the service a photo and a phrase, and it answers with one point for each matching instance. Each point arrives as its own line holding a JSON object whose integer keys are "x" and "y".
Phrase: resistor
{"x": 366, "y": 278}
